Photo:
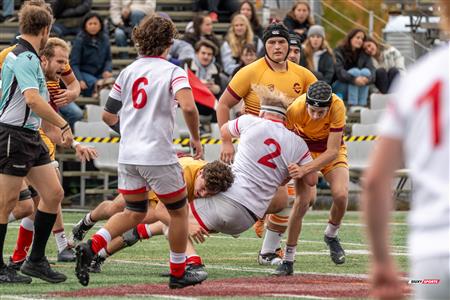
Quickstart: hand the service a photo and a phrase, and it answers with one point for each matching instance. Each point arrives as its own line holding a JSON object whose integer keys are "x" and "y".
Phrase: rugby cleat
{"x": 79, "y": 231}
{"x": 85, "y": 255}
{"x": 271, "y": 259}
{"x": 337, "y": 253}
{"x": 96, "y": 265}
{"x": 285, "y": 269}
{"x": 9, "y": 275}
{"x": 41, "y": 269}
{"x": 190, "y": 277}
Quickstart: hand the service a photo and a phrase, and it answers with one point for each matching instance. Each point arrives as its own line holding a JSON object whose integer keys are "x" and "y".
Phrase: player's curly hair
{"x": 218, "y": 176}
{"x": 271, "y": 97}
{"x": 154, "y": 35}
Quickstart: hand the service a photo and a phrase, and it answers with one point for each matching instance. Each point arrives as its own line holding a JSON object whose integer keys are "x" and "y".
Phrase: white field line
{"x": 238, "y": 269}
{"x": 14, "y": 297}
{"x": 298, "y": 296}
{"x": 327, "y": 253}
{"x": 166, "y": 297}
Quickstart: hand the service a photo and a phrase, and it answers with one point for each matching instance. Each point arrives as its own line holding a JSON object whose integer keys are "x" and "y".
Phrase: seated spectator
{"x": 125, "y": 14}
{"x": 388, "y": 62}
{"x": 213, "y": 6}
{"x": 354, "y": 69}
{"x": 8, "y": 11}
{"x": 180, "y": 51}
{"x": 248, "y": 55}
{"x": 299, "y": 19}
{"x": 239, "y": 34}
{"x": 69, "y": 14}
{"x": 91, "y": 54}
{"x": 295, "y": 48}
{"x": 248, "y": 9}
{"x": 204, "y": 67}
{"x": 317, "y": 54}
{"x": 202, "y": 29}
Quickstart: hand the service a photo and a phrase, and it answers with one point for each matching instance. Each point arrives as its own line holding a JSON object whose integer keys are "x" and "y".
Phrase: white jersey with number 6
{"x": 147, "y": 91}
{"x": 266, "y": 149}
{"x": 418, "y": 115}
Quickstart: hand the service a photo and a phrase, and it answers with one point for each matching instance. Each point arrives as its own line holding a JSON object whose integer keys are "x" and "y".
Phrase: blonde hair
{"x": 308, "y": 52}
{"x": 236, "y": 43}
{"x": 291, "y": 13}
{"x": 49, "y": 49}
{"x": 271, "y": 97}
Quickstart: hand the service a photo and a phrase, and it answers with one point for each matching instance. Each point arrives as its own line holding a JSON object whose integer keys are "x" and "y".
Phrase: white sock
{"x": 149, "y": 232}
{"x": 87, "y": 220}
{"x": 271, "y": 241}
{"x": 61, "y": 240}
{"x": 11, "y": 217}
{"x": 177, "y": 258}
{"x": 103, "y": 253}
{"x": 331, "y": 230}
{"x": 289, "y": 253}
{"x": 27, "y": 224}
{"x": 105, "y": 234}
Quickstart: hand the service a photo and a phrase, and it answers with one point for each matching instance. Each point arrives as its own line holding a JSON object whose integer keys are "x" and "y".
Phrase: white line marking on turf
{"x": 300, "y": 241}
{"x": 297, "y": 296}
{"x": 169, "y": 297}
{"x": 326, "y": 253}
{"x": 14, "y": 297}
{"x": 238, "y": 269}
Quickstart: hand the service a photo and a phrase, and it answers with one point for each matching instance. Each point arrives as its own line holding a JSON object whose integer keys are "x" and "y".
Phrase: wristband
{"x": 75, "y": 144}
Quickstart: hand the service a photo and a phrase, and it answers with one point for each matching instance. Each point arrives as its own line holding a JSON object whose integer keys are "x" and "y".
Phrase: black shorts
{"x": 20, "y": 150}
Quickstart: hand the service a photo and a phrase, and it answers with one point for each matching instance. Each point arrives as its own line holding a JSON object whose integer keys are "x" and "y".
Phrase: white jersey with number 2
{"x": 147, "y": 91}
{"x": 266, "y": 149}
{"x": 418, "y": 115}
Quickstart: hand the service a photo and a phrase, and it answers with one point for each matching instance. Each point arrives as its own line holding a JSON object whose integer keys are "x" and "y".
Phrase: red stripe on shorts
{"x": 131, "y": 192}
{"x": 170, "y": 195}
{"x": 196, "y": 216}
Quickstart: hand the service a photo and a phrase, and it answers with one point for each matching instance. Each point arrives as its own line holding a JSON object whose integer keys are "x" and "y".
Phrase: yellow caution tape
{"x": 205, "y": 141}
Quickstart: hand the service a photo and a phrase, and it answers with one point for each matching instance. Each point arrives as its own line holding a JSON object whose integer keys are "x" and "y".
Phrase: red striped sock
{"x": 98, "y": 243}
{"x": 177, "y": 270}
{"x": 194, "y": 260}
{"x": 23, "y": 243}
{"x": 142, "y": 231}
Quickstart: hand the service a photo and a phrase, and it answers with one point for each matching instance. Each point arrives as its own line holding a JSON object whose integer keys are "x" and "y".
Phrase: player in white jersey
{"x": 144, "y": 99}
{"x": 415, "y": 129}
{"x": 267, "y": 152}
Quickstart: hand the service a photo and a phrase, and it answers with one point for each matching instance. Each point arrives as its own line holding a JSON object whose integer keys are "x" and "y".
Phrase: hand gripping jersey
{"x": 294, "y": 82}
{"x": 266, "y": 149}
{"x": 418, "y": 115}
{"x": 147, "y": 91}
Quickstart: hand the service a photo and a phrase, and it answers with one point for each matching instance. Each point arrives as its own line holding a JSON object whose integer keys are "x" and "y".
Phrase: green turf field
{"x": 224, "y": 256}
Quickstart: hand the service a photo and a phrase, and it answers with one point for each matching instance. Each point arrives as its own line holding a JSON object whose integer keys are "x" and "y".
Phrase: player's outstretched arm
{"x": 190, "y": 113}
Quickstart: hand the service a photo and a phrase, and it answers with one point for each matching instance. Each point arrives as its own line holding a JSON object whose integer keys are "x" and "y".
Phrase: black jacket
{"x": 325, "y": 68}
{"x": 344, "y": 63}
{"x": 292, "y": 24}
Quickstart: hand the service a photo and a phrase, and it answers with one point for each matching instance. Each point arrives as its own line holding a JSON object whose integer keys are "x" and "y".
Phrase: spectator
{"x": 91, "y": 54}
{"x": 295, "y": 48}
{"x": 125, "y": 14}
{"x": 388, "y": 62}
{"x": 212, "y": 6}
{"x": 299, "y": 19}
{"x": 202, "y": 30}
{"x": 204, "y": 67}
{"x": 354, "y": 69}
{"x": 69, "y": 15}
{"x": 180, "y": 51}
{"x": 239, "y": 34}
{"x": 248, "y": 55}
{"x": 248, "y": 9}
{"x": 317, "y": 54}
{"x": 8, "y": 11}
